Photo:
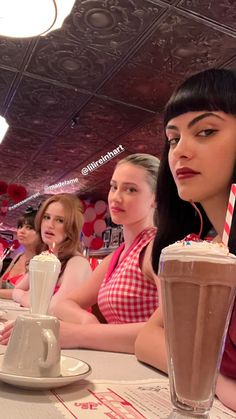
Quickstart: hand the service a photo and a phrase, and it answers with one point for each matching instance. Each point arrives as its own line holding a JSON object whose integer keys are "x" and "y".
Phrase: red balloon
{"x": 97, "y": 243}
{"x": 4, "y": 243}
{"x": 15, "y": 244}
{"x": 88, "y": 229}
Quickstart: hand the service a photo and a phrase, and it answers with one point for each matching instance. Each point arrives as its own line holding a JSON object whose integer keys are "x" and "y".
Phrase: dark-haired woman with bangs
{"x": 27, "y": 237}
{"x": 198, "y": 164}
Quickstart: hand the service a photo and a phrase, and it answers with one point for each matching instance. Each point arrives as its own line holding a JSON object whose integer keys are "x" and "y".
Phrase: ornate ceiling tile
{"x": 178, "y": 47}
{"x": 182, "y": 44}
{"x": 6, "y": 80}
{"x": 67, "y": 61}
{"x": 141, "y": 85}
{"x": 223, "y": 12}
{"x": 13, "y": 51}
{"x": 42, "y": 107}
{"x": 148, "y": 138}
{"x": 108, "y": 120}
{"x": 231, "y": 64}
{"x": 112, "y": 26}
{"x": 17, "y": 149}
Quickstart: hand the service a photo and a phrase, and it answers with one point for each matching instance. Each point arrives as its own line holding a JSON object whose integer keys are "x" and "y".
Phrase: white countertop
{"x": 16, "y": 403}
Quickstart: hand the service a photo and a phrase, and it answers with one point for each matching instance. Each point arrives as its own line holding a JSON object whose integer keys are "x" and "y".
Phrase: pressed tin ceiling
{"x": 100, "y": 82}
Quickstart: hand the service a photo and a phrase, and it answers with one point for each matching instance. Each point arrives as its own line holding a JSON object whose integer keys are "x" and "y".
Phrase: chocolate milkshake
{"x": 198, "y": 282}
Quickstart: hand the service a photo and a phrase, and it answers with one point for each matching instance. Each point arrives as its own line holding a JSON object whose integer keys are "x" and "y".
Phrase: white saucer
{"x": 72, "y": 370}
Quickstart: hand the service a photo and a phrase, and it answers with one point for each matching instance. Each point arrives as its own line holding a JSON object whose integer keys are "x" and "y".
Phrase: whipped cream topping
{"x": 185, "y": 250}
{"x": 46, "y": 257}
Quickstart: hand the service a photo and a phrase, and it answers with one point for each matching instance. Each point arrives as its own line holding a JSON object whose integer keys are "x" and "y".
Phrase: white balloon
{"x": 99, "y": 226}
{"x": 90, "y": 214}
{"x": 87, "y": 240}
{"x": 100, "y": 207}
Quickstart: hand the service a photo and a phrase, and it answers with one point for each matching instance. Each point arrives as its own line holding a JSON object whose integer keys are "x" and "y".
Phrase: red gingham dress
{"x": 125, "y": 295}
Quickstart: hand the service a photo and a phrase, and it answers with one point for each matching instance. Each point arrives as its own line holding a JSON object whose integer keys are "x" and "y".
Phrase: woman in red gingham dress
{"x": 125, "y": 295}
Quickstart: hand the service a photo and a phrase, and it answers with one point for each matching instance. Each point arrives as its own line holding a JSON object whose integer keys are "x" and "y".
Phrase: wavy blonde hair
{"x": 73, "y": 223}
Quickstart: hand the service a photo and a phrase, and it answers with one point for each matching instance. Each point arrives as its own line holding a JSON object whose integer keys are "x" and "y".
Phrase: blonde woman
{"x": 122, "y": 285}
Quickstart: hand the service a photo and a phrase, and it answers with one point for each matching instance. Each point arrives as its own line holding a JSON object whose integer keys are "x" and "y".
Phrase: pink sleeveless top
{"x": 125, "y": 295}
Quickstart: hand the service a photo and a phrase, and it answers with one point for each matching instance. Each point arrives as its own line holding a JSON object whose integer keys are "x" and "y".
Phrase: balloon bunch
{"x": 94, "y": 224}
{"x": 6, "y": 247}
{"x": 12, "y": 193}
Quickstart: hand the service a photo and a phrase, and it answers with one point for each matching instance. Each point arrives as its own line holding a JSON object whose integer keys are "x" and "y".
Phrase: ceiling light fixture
{"x": 3, "y": 128}
{"x": 27, "y": 18}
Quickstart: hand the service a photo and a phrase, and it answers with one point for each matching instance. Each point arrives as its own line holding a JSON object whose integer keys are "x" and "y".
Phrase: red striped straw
{"x": 229, "y": 215}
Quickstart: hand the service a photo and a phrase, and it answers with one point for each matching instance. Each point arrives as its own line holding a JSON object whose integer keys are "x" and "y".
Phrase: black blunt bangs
{"x": 210, "y": 90}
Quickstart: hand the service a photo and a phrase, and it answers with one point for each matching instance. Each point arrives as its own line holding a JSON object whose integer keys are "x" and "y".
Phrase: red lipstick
{"x": 185, "y": 172}
{"x": 116, "y": 209}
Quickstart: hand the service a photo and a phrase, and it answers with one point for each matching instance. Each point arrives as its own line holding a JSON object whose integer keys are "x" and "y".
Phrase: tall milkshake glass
{"x": 198, "y": 281}
{"x": 44, "y": 270}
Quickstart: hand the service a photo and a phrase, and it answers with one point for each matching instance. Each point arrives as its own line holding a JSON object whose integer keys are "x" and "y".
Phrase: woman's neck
{"x": 29, "y": 253}
{"x": 131, "y": 231}
{"x": 216, "y": 211}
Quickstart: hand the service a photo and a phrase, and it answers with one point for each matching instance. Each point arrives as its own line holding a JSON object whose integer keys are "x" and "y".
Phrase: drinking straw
{"x": 229, "y": 215}
{"x": 6, "y": 252}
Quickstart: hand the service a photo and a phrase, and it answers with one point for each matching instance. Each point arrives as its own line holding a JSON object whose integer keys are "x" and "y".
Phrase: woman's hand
{"x": 6, "y": 333}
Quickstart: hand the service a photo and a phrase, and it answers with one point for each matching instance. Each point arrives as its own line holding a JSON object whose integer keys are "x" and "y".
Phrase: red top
{"x": 14, "y": 279}
{"x": 125, "y": 295}
{"x": 228, "y": 364}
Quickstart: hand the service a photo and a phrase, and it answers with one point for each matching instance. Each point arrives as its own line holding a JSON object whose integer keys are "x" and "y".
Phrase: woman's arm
{"x": 150, "y": 344}
{"x": 20, "y": 293}
{"x": 73, "y": 308}
{"x": 104, "y": 337}
{"x": 226, "y": 391}
{"x": 6, "y": 293}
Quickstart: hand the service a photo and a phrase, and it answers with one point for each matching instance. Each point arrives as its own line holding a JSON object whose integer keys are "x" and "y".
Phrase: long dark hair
{"x": 213, "y": 89}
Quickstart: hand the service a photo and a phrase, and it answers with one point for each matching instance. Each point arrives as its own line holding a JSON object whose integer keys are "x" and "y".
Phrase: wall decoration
{"x": 12, "y": 194}
{"x": 94, "y": 224}
{"x": 98, "y": 230}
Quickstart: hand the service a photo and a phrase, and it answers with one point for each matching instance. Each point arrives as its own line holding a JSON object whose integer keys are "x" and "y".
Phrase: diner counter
{"x": 119, "y": 387}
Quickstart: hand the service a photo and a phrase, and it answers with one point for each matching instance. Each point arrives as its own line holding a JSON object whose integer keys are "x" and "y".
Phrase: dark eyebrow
{"x": 197, "y": 119}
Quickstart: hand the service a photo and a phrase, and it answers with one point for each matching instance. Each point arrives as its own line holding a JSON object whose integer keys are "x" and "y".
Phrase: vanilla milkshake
{"x": 198, "y": 281}
{"x": 44, "y": 270}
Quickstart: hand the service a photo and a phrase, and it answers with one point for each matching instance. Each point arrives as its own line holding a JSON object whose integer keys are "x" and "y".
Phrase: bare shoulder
{"x": 78, "y": 260}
